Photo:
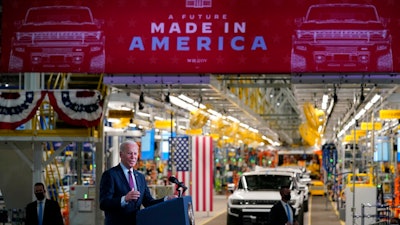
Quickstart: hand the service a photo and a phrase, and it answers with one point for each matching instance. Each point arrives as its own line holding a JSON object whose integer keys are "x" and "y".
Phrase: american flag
{"x": 180, "y": 146}
{"x": 202, "y": 173}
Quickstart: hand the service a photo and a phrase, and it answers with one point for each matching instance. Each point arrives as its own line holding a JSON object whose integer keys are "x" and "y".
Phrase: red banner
{"x": 200, "y": 36}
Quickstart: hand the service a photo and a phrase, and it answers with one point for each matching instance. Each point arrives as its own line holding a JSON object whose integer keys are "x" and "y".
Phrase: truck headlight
{"x": 238, "y": 202}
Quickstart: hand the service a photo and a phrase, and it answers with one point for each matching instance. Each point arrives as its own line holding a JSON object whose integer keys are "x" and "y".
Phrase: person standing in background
{"x": 282, "y": 213}
{"x": 43, "y": 211}
{"x": 123, "y": 189}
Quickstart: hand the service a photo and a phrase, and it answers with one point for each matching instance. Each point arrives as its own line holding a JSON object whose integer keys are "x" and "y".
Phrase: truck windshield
{"x": 362, "y": 14}
{"x": 58, "y": 15}
{"x": 266, "y": 182}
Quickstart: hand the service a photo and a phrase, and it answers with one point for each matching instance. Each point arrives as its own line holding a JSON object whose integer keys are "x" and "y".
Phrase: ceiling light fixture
{"x": 167, "y": 100}
{"x": 325, "y": 99}
{"x": 141, "y": 106}
{"x": 141, "y": 98}
{"x": 362, "y": 97}
{"x": 335, "y": 97}
{"x": 141, "y": 101}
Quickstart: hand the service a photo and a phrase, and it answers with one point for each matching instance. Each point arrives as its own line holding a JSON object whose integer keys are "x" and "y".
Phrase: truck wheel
{"x": 385, "y": 63}
{"x": 97, "y": 63}
{"x": 298, "y": 63}
{"x": 15, "y": 64}
{"x": 300, "y": 217}
{"x": 305, "y": 206}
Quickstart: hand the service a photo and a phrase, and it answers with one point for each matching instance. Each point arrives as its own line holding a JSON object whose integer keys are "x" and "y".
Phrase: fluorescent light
{"x": 158, "y": 118}
{"x": 197, "y": 104}
{"x": 253, "y": 130}
{"x": 375, "y": 98}
{"x": 233, "y": 119}
{"x": 126, "y": 108}
{"x": 369, "y": 105}
{"x": 180, "y": 103}
{"x": 212, "y": 117}
{"x": 360, "y": 114}
{"x": 185, "y": 98}
{"x": 215, "y": 113}
{"x": 244, "y": 125}
{"x": 113, "y": 120}
{"x": 143, "y": 114}
{"x": 325, "y": 99}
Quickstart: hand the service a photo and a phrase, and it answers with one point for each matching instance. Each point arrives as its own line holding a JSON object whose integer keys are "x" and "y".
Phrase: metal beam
{"x": 346, "y": 79}
{"x": 259, "y": 85}
{"x": 129, "y": 79}
{"x": 250, "y": 113}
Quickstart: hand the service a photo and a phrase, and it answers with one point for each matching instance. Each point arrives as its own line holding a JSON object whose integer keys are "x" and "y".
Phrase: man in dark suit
{"x": 282, "y": 213}
{"x": 121, "y": 193}
{"x": 43, "y": 211}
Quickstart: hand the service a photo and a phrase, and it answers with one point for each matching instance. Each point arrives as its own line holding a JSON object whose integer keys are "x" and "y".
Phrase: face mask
{"x": 39, "y": 196}
{"x": 286, "y": 197}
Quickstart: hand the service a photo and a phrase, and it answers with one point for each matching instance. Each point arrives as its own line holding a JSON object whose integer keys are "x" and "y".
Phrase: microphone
{"x": 173, "y": 179}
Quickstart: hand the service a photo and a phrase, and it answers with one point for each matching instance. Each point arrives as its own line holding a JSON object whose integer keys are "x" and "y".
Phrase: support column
{"x": 114, "y": 158}
{"x": 99, "y": 166}
{"x": 79, "y": 161}
{"x": 37, "y": 173}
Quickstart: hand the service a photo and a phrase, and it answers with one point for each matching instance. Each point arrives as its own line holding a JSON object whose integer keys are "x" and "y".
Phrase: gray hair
{"x": 124, "y": 145}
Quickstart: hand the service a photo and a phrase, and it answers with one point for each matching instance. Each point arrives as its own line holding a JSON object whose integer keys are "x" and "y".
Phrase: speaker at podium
{"x": 177, "y": 211}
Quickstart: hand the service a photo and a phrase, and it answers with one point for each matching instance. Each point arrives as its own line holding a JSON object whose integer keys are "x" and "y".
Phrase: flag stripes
{"x": 202, "y": 173}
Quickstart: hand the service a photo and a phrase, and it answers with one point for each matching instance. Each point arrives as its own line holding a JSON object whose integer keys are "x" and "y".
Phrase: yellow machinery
{"x": 361, "y": 180}
{"x": 317, "y": 187}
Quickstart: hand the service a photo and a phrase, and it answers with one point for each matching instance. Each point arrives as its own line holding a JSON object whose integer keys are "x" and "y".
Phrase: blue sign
{"x": 147, "y": 151}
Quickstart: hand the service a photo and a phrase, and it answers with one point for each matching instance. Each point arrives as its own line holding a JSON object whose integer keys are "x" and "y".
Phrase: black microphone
{"x": 173, "y": 179}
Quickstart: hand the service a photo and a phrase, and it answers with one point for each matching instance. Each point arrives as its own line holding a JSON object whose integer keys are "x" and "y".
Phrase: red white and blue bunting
{"x": 17, "y": 108}
{"x": 77, "y": 107}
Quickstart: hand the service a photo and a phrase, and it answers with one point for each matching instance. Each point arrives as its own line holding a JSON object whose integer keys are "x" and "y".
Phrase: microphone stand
{"x": 181, "y": 189}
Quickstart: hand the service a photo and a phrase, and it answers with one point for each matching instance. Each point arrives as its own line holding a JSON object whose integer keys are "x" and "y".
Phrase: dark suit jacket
{"x": 51, "y": 215}
{"x": 278, "y": 216}
{"x": 113, "y": 186}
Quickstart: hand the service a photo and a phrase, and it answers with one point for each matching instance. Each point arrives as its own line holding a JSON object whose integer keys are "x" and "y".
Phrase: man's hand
{"x": 132, "y": 195}
{"x": 169, "y": 197}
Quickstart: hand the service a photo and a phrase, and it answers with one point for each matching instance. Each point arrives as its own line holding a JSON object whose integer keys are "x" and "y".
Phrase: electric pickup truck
{"x": 257, "y": 192}
{"x": 58, "y": 38}
{"x": 341, "y": 37}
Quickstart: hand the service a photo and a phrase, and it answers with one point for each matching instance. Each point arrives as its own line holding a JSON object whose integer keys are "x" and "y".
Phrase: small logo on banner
{"x": 198, "y": 3}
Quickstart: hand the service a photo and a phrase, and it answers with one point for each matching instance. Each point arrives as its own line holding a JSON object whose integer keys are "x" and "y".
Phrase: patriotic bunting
{"x": 17, "y": 108}
{"x": 77, "y": 107}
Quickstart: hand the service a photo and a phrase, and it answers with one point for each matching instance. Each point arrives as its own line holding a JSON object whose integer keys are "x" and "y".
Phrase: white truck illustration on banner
{"x": 58, "y": 38}
{"x": 341, "y": 38}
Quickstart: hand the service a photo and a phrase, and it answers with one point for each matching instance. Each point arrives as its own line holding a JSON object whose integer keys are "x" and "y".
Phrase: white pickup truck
{"x": 257, "y": 192}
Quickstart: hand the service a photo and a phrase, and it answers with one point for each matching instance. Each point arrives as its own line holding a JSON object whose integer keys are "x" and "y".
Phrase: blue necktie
{"x": 288, "y": 213}
{"x": 40, "y": 217}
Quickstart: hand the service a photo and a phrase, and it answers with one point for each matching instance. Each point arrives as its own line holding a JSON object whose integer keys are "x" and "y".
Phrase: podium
{"x": 178, "y": 211}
